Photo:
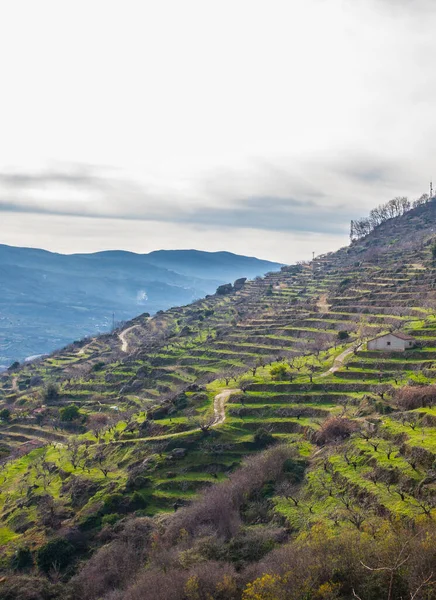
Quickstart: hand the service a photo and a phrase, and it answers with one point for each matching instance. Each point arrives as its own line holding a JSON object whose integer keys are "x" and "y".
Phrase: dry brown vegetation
{"x": 411, "y": 397}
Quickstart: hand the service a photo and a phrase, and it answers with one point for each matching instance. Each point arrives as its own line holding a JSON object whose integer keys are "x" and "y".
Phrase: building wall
{"x": 389, "y": 343}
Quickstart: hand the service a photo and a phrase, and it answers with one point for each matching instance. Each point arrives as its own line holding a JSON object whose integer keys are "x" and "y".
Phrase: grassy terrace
{"x": 292, "y": 345}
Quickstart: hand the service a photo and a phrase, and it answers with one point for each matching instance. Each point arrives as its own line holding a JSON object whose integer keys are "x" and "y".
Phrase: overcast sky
{"x": 255, "y": 126}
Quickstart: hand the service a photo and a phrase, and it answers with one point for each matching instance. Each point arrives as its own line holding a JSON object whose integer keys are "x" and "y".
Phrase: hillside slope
{"x": 168, "y": 406}
{"x": 49, "y": 299}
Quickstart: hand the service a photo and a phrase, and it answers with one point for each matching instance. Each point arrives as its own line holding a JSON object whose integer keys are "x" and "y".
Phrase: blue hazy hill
{"x": 48, "y": 299}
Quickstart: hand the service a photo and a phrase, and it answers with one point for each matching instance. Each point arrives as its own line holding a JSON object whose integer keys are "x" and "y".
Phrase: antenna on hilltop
{"x": 431, "y": 190}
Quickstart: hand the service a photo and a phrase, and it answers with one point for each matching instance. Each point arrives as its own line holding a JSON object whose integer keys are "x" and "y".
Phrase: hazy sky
{"x": 259, "y": 127}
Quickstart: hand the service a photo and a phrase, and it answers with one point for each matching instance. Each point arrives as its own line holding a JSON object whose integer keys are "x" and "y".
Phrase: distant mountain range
{"x": 48, "y": 300}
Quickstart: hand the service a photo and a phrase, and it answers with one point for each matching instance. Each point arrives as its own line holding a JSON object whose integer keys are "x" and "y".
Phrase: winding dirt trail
{"x": 322, "y": 303}
{"x": 219, "y": 405}
{"x": 339, "y": 361}
{"x": 85, "y": 348}
{"x": 123, "y": 338}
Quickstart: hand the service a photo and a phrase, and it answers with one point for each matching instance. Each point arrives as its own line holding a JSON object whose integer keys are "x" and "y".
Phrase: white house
{"x": 392, "y": 342}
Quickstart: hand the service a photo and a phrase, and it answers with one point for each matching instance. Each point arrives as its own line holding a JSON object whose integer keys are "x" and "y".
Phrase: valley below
{"x": 48, "y": 300}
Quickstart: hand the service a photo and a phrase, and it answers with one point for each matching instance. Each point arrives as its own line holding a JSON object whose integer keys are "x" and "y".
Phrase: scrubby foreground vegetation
{"x": 232, "y": 545}
{"x": 247, "y": 446}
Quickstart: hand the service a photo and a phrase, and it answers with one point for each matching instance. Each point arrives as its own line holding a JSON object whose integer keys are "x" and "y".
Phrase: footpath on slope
{"x": 123, "y": 339}
{"x": 219, "y": 404}
{"x": 322, "y": 303}
{"x": 339, "y": 361}
{"x": 122, "y": 336}
{"x": 85, "y": 348}
{"x": 324, "y": 307}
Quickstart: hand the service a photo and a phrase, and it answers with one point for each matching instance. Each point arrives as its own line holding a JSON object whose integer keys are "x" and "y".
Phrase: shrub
{"x": 218, "y": 508}
{"x": 222, "y": 290}
{"x": 116, "y": 564}
{"x": 5, "y": 414}
{"x": 22, "y": 559}
{"x": 138, "y": 501}
{"x": 263, "y": 438}
{"x": 294, "y": 469}
{"x": 334, "y": 429}
{"x": 50, "y": 393}
{"x": 90, "y": 522}
{"x": 112, "y": 503}
{"x": 26, "y": 587}
{"x": 343, "y": 335}
{"x": 411, "y": 397}
{"x": 69, "y": 413}
{"x": 57, "y": 553}
{"x": 111, "y": 519}
{"x": 279, "y": 372}
{"x": 345, "y": 282}
{"x": 249, "y": 545}
{"x": 98, "y": 366}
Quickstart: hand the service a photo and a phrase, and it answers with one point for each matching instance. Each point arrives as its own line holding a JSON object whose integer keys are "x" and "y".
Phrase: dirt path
{"x": 123, "y": 338}
{"x": 339, "y": 361}
{"x": 219, "y": 405}
{"x": 85, "y": 348}
{"x": 322, "y": 303}
{"x": 15, "y": 384}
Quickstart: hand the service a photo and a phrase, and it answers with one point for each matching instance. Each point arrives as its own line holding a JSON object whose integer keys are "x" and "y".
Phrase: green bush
{"x": 112, "y": 503}
{"x": 50, "y": 393}
{"x": 279, "y": 373}
{"x": 345, "y": 282}
{"x": 138, "y": 501}
{"x": 294, "y": 469}
{"x": 111, "y": 519}
{"x": 5, "y": 414}
{"x": 90, "y": 522}
{"x": 98, "y": 366}
{"x": 249, "y": 546}
{"x": 57, "y": 553}
{"x": 69, "y": 413}
{"x": 343, "y": 335}
{"x": 22, "y": 559}
{"x": 263, "y": 438}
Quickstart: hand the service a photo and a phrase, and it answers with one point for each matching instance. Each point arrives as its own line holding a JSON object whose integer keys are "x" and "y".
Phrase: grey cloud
{"x": 276, "y": 214}
{"x": 83, "y": 176}
{"x": 263, "y": 213}
{"x": 269, "y": 197}
{"x": 368, "y": 169}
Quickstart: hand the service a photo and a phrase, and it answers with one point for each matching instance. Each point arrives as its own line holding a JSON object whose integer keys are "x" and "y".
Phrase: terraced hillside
{"x": 142, "y": 420}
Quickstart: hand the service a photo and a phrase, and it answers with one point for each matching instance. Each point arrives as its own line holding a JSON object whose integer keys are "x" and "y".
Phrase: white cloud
{"x": 183, "y": 112}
